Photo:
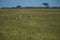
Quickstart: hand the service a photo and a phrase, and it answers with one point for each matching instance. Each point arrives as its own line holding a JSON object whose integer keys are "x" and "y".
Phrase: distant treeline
{"x": 27, "y": 7}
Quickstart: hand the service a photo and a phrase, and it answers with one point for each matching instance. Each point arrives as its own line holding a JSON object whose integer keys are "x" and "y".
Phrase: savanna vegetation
{"x": 43, "y": 25}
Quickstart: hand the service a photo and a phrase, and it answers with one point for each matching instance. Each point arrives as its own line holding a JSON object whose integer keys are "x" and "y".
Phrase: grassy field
{"x": 44, "y": 24}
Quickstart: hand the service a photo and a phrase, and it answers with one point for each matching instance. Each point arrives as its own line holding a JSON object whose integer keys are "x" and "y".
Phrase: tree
{"x": 18, "y": 6}
{"x": 46, "y": 5}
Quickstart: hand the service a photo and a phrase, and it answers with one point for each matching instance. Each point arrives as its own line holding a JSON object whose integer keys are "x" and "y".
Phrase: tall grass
{"x": 44, "y": 25}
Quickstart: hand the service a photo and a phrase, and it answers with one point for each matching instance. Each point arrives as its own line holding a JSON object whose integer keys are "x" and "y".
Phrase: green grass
{"x": 44, "y": 25}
